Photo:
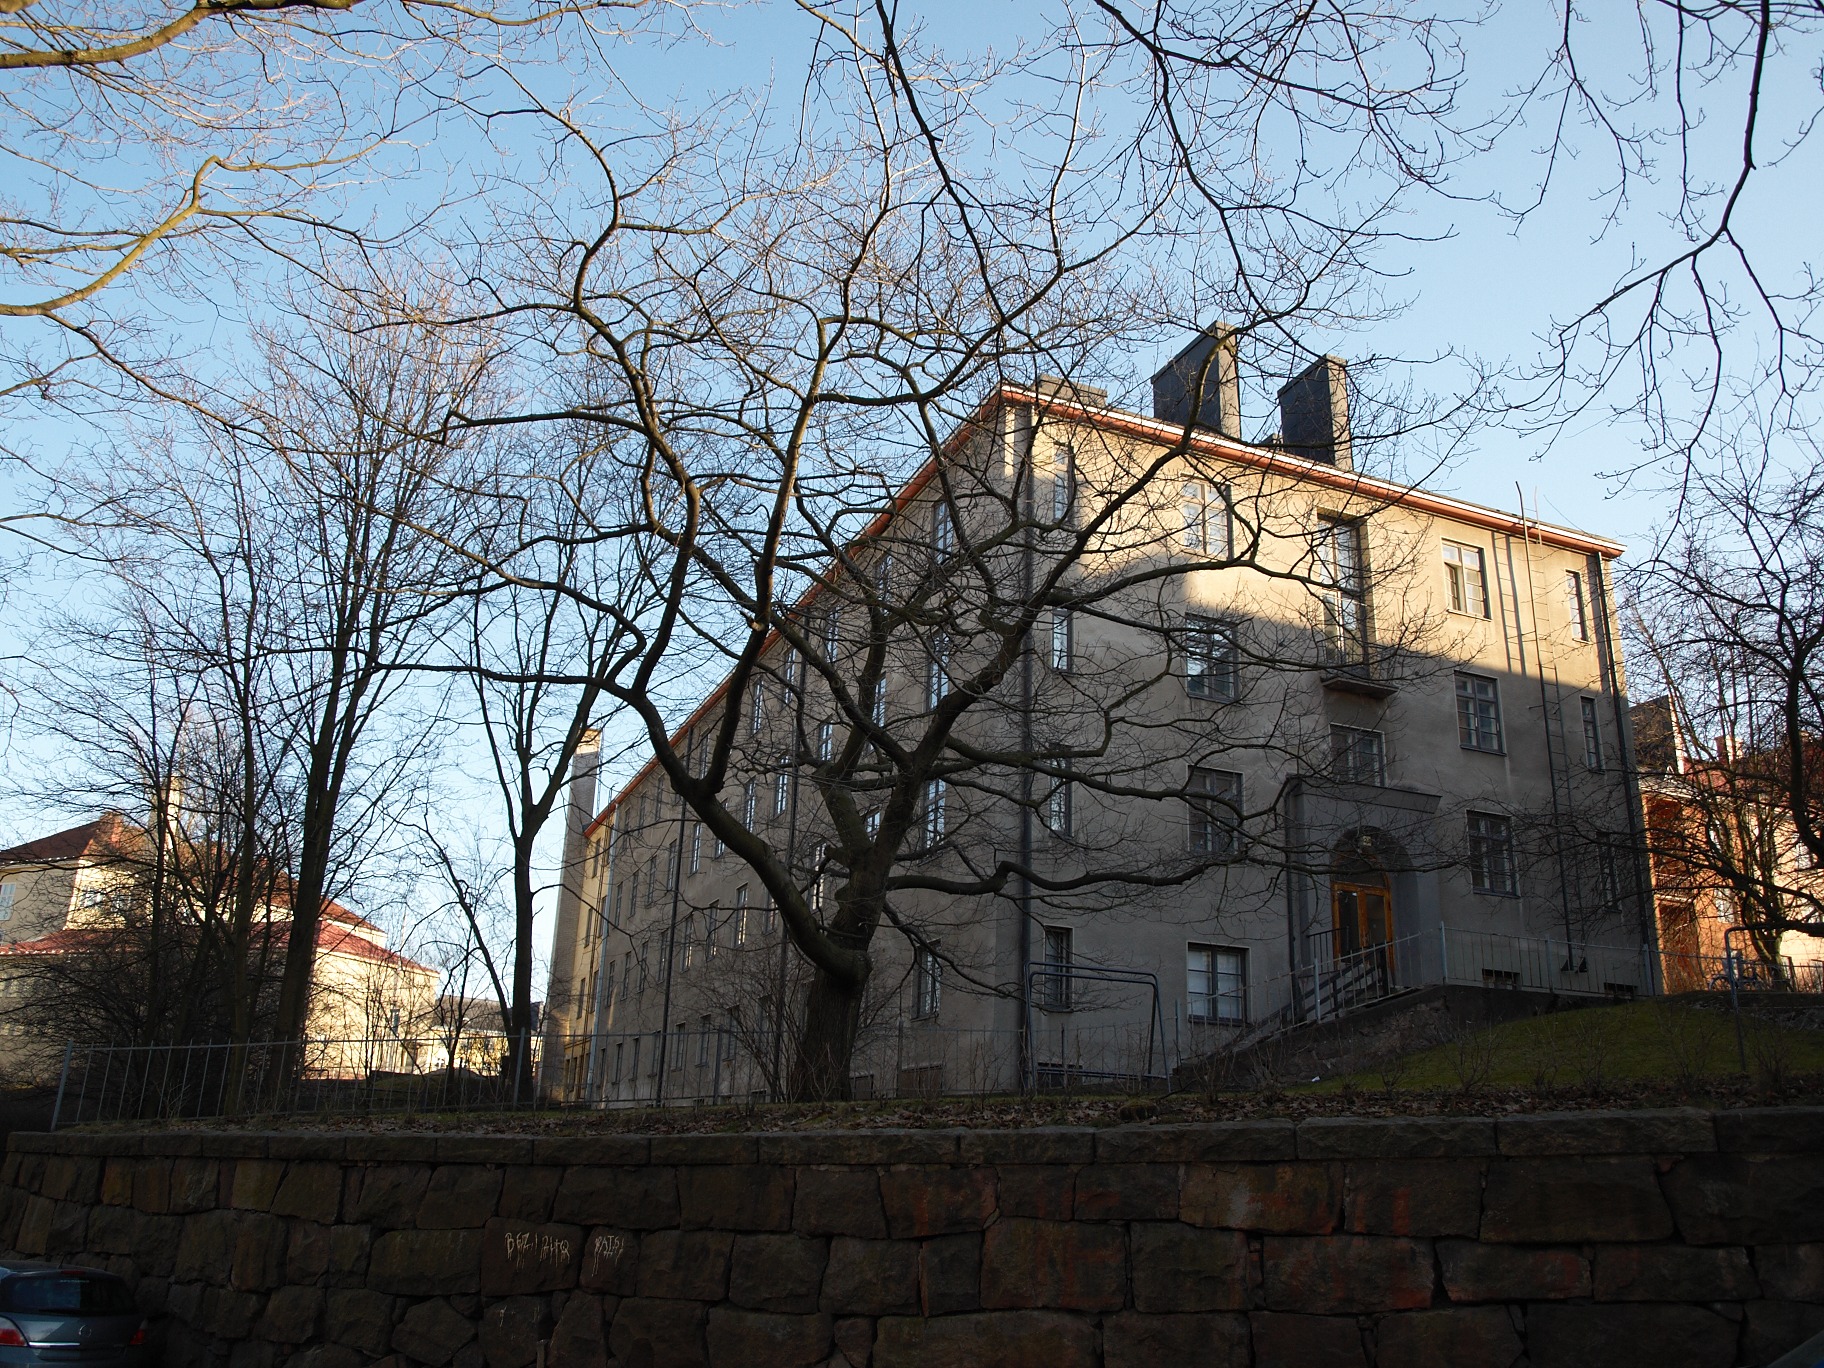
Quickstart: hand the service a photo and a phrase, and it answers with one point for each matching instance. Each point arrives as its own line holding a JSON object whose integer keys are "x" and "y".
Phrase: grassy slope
{"x": 1665, "y": 1040}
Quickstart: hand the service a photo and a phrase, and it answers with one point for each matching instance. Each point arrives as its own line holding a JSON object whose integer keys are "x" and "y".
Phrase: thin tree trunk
{"x": 519, "y": 1024}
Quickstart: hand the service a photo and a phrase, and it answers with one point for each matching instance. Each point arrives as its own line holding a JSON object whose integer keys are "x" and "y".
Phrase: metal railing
{"x": 163, "y": 1083}
{"x": 1543, "y": 964}
{"x": 159, "y": 1084}
{"x": 1091, "y": 1041}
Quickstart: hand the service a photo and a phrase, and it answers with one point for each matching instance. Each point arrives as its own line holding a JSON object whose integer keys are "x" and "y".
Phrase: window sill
{"x": 1482, "y": 750}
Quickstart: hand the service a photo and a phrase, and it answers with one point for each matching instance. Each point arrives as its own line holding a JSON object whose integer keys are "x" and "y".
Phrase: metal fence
{"x": 106, "y": 1083}
{"x": 1080, "y": 1036}
{"x": 174, "y": 1083}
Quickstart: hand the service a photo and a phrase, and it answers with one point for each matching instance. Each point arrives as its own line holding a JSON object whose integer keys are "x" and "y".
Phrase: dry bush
{"x": 1689, "y": 1038}
{"x": 1472, "y": 1056}
{"x": 1770, "y": 1051}
{"x": 1544, "y": 1055}
{"x": 1394, "y": 1069}
{"x": 1589, "y": 1035}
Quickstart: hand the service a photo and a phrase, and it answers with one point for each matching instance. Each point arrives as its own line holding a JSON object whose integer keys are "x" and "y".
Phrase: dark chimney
{"x": 1314, "y": 413}
{"x": 1217, "y": 403}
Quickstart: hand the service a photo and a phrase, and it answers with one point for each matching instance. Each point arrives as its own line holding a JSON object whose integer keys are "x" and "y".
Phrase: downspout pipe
{"x": 598, "y": 1036}
{"x": 1028, "y": 511}
{"x": 671, "y": 950}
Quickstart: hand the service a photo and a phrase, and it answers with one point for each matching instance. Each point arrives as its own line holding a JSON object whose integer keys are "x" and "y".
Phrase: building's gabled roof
{"x": 108, "y": 837}
{"x": 73, "y": 843}
{"x": 1202, "y": 442}
{"x": 65, "y": 942}
{"x": 336, "y": 940}
{"x": 331, "y": 940}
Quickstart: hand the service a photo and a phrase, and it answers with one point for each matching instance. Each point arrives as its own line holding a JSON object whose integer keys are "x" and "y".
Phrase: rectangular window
{"x": 696, "y": 846}
{"x": 1491, "y": 855}
{"x": 688, "y": 934}
{"x": 1576, "y": 607}
{"x": 750, "y": 802}
{"x": 740, "y": 916}
{"x": 1058, "y": 803}
{"x": 1063, "y": 644}
{"x": 1358, "y": 755}
{"x": 1204, "y": 512}
{"x": 934, "y": 812}
{"x": 1212, "y": 658}
{"x": 1343, "y": 591}
{"x": 769, "y": 915}
{"x": 782, "y": 785}
{"x": 1063, "y": 484}
{"x": 1054, "y": 985}
{"x": 1592, "y": 734}
{"x": 826, "y": 740}
{"x": 627, "y": 973}
{"x": 1608, "y": 876}
{"x": 937, "y": 670}
{"x": 1466, "y": 578}
{"x": 877, "y": 703}
{"x": 832, "y": 633}
{"x": 1214, "y": 797}
{"x": 927, "y": 983}
{"x": 711, "y": 932}
{"x": 671, "y": 866}
{"x": 705, "y": 1030}
{"x": 1216, "y": 983}
{"x": 757, "y": 714}
{"x": 1478, "y": 713}
{"x": 619, "y": 1051}
{"x": 943, "y": 530}
{"x": 652, "y": 879}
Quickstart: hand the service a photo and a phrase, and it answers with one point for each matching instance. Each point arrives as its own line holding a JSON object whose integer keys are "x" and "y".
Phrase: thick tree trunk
{"x": 826, "y": 1043}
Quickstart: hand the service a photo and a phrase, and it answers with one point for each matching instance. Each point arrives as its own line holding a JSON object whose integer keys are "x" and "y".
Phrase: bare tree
{"x": 276, "y": 571}
{"x": 538, "y": 662}
{"x": 160, "y": 704}
{"x": 1730, "y": 620}
{"x": 159, "y": 155}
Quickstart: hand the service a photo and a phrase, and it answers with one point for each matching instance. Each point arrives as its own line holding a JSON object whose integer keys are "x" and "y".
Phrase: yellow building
{"x": 71, "y": 916}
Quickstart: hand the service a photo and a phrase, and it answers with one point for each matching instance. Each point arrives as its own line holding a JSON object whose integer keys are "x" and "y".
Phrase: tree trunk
{"x": 519, "y": 1014}
{"x": 826, "y": 1044}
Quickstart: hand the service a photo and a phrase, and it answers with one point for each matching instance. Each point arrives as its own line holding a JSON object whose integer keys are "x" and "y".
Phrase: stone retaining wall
{"x": 1663, "y": 1238}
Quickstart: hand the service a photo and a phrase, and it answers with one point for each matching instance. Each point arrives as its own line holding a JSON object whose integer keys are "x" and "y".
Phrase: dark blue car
{"x": 51, "y": 1314}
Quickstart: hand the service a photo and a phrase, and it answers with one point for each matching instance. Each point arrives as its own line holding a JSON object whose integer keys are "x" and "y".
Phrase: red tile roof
{"x": 331, "y": 940}
{"x": 70, "y": 844}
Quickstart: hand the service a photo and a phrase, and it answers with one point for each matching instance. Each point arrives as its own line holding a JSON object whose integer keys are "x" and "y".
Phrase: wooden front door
{"x": 1360, "y": 915}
